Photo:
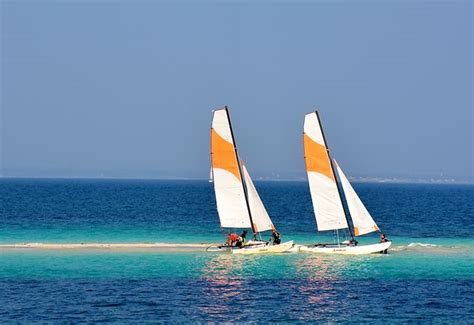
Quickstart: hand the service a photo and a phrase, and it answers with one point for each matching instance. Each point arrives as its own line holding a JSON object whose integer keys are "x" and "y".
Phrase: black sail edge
{"x": 346, "y": 214}
{"x": 244, "y": 185}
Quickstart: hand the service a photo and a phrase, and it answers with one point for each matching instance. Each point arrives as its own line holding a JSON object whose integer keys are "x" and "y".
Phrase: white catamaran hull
{"x": 264, "y": 249}
{"x": 347, "y": 250}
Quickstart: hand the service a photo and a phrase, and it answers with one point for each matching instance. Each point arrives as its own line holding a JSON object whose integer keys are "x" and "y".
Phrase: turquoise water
{"x": 428, "y": 275}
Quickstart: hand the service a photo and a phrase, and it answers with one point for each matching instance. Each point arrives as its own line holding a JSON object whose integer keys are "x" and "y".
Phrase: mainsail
{"x": 327, "y": 202}
{"x": 230, "y": 196}
{"x": 261, "y": 219}
{"x": 361, "y": 218}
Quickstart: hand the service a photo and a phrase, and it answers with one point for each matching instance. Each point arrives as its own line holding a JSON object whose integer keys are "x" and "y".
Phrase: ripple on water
{"x": 236, "y": 298}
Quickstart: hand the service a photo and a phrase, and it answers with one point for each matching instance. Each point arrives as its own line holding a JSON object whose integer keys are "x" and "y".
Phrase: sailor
{"x": 276, "y": 237}
{"x": 242, "y": 239}
{"x": 383, "y": 239}
{"x": 353, "y": 242}
{"x": 232, "y": 239}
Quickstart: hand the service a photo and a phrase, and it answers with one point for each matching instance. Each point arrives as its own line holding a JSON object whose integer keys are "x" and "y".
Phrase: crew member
{"x": 353, "y": 242}
{"x": 232, "y": 239}
{"x": 276, "y": 237}
{"x": 383, "y": 239}
{"x": 242, "y": 239}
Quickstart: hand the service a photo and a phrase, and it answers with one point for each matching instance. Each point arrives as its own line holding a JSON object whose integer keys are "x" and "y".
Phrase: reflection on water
{"x": 320, "y": 288}
{"x": 223, "y": 283}
{"x": 320, "y": 267}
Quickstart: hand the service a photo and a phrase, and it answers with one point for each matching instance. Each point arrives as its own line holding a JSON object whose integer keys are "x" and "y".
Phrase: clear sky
{"x": 126, "y": 88}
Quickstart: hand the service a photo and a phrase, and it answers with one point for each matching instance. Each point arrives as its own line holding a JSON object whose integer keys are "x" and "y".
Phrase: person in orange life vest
{"x": 232, "y": 239}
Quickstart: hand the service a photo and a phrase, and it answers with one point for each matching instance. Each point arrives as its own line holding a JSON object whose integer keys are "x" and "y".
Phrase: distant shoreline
{"x": 363, "y": 180}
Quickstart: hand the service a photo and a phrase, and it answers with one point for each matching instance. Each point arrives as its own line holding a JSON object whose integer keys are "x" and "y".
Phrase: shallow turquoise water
{"x": 407, "y": 263}
{"x": 428, "y": 275}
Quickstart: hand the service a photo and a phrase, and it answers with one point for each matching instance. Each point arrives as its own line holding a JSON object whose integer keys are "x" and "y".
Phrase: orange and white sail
{"x": 327, "y": 202}
{"x": 230, "y": 196}
{"x": 361, "y": 218}
{"x": 261, "y": 219}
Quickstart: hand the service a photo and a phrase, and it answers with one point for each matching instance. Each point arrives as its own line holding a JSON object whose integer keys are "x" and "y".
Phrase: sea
{"x": 427, "y": 276}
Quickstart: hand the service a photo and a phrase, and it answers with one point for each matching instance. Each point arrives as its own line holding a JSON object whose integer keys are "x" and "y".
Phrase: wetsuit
{"x": 384, "y": 240}
{"x": 276, "y": 238}
{"x": 241, "y": 240}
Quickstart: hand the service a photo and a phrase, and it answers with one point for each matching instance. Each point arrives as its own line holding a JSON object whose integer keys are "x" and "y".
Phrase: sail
{"x": 211, "y": 177}
{"x": 327, "y": 203}
{"x": 363, "y": 222}
{"x": 261, "y": 219}
{"x": 230, "y": 197}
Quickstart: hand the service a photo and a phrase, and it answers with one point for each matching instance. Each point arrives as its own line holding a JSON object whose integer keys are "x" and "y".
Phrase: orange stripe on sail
{"x": 317, "y": 158}
{"x": 223, "y": 154}
{"x": 356, "y": 231}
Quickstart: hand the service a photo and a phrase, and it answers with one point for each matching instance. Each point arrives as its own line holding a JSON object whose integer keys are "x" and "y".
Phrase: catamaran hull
{"x": 347, "y": 250}
{"x": 228, "y": 249}
{"x": 264, "y": 249}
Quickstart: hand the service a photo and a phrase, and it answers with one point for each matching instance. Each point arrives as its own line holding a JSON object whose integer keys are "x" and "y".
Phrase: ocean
{"x": 428, "y": 275}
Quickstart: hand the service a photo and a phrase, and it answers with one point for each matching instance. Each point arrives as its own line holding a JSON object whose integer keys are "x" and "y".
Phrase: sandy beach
{"x": 169, "y": 247}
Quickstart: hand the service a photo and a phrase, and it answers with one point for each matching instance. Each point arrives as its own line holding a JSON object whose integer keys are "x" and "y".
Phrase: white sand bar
{"x": 108, "y": 246}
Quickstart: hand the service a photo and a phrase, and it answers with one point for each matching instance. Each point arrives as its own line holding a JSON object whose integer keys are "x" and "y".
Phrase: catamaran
{"x": 238, "y": 203}
{"x": 327, "y": 199}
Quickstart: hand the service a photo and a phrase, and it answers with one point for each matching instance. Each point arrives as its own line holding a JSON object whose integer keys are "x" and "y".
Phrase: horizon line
{"x": 372, "y": 180}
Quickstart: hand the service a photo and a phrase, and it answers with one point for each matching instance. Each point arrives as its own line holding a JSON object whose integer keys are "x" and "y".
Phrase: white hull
{"x": 347, "y": 250}
{"x": 228, "y": 249}
{"x": 264, "y": 249}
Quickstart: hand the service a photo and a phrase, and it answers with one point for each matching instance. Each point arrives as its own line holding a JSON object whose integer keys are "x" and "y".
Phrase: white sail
{"x": 261, "y": 219}
{"x": 211, "y": 177}
{"x": 230, "y": 197}
{"x": 361, "y": 218}
{"x": 327, "y": 203}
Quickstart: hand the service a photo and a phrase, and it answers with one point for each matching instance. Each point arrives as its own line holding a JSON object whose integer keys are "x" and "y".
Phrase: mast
{"x": 334, "y": 173}
{"x": 240, "y": 171}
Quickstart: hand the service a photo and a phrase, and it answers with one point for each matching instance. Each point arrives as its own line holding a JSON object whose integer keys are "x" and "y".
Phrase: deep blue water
{"x": 138, "y": 210}
{"x": 237, "y": 300}
{"x": 428, "y": 276}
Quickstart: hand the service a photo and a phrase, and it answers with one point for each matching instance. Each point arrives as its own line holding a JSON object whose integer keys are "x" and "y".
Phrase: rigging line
{"x": 334, "y": 173}
{"x": 240, "y": 171}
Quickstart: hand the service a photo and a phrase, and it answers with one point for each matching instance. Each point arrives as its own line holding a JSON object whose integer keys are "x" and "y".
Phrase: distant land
{"x": 354, "y": 179}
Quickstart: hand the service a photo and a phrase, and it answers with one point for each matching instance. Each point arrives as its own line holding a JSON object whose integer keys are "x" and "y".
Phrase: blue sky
{"x": 126, "y": 88}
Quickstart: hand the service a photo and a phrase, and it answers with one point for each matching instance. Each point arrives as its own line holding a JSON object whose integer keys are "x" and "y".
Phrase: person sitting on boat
{"x": 384, "y": 239}
{"x": 276, "y": 237}
{"x": 353, "y": 242}
{"x": 242, "y": 238}
{"x": 232, "y": 239}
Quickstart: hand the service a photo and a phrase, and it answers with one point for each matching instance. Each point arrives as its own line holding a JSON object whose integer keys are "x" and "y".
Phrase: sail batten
{"x": 361, "y": 218}
{"x": 327, "y": 203}
{"x": 261, "y": 219}
{"x": 230, "y": 196}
